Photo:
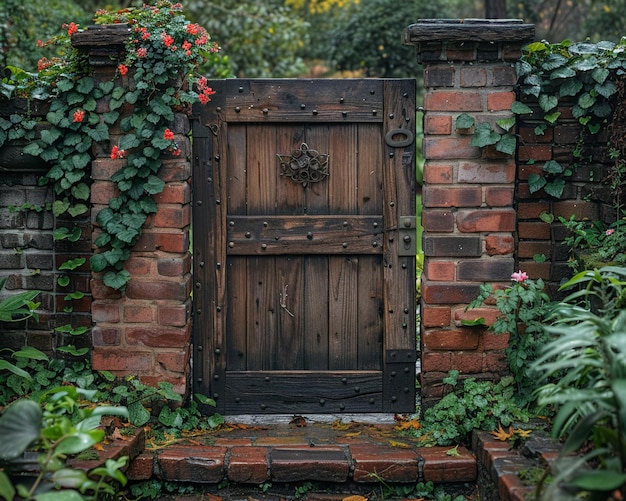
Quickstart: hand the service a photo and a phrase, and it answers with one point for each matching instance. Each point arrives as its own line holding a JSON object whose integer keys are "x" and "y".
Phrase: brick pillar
{"x": 145, "y": 330}
{"x": 468, "y": 194}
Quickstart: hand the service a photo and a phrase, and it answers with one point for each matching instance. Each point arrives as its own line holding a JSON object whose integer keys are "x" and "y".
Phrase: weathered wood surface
{"x": 468, "y": 30}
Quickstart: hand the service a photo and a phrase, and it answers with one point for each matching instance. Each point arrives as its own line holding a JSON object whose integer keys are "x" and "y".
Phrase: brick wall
{"x": 29, "y": 255}
{"x": 469, "y": 206}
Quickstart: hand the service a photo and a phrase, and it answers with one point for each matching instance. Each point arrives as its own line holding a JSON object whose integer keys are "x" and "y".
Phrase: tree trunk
{"x": 495, "y": 9}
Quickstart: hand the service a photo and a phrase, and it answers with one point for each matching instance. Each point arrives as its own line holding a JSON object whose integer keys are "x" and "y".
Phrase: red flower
{"x": 117, "y": 153}
{"x": 79, "y": 115}
{"x": 122, "y": 69}
{"x": 142, "y": 52}
{"x": 192, "y": 29}
{"x": 167, "y": 39}
{"x": 203, "y": 98}
{"x": 145, "y": 35}
{"x": 187, "y": 45}
{"x": 168, "y": 134}
{"x": 71, "y": 28}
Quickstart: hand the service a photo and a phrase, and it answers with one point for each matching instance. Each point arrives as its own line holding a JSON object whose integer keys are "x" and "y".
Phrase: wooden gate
{"x": 304, "y": 246}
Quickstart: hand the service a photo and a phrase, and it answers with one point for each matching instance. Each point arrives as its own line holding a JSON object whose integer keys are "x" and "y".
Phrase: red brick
{"x": 179, "y": 382}
{"x": 452, "y": 197}
{"x": 439, "y": 76}
{"x": 499, "y": 245}
{"x": 101, "y": 291}
{"x": 158, "y": 337}
{"x": 103, "y": 168}
{"x": 248, "y": 465}
{"x": 582, "y": 210}
{"x": 473, "y": 76}
{"x": 105, "y": 312}
{"x": 532, "y": 210}
{"x": 174, "y": 316}
{"x": 525, "y": 171}
{"x": 536, "y": 270}
{"x": 174, "y": 193}
{"x": 440, "y": 270}
{"x": 460, "y": 54}
{"x": 103, "y": 191}
{"x": 121, "y": 360}
{"x": 437, "y": 124}
{"x": 485, "y": 173}
{"x": 174, "y": 361}
{"x": 441, "y": 148}
{"x": 534, "y": 230}
{"x": 449, "y": 293}
{"x": 437, "y": 362}
{"x": 391, "y": 464}
{"x": 489, "y": 314}
{"x": 540, "y": 153}
{"x": 486, "y": 220}
{"x": 438, "y": 221}
{"x": 458, "y": 339}
{"x": 468, "y": 363}
{"x": 138, "y": 266}
{"x": 175, "y": 170}
{"x": 192, "y": 464}
{"x": 138, "y": 314}
{"x": 435, "y": 316}
{"x": 503, "y": 76}
{"x": 500, "y": 101}
{"x": 438, "y": 174}
{"x": 453, "y": 101}
{"x": 528, "y": 136}
{"x": 174, "y": 266}
{"x": 172, "y": 216}
{"x": 491, "y": 341}
{"x": 496, "y": 196}
{"x": 439, "y": 466}
{"x": 495, "y": 361}
{"x": 142, "y": 467}
{"x": 172, "y": 242}
{"x": 528, "y": 249}
{"x": 105, "y": 336}
{"x": 294, "y": 464}
{"x": 485, "y": 270}
{"x": 158, "y": 289}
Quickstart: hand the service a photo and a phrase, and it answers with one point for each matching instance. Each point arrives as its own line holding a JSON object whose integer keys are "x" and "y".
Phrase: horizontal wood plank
{"x": 266, "y": 392}
{"x": 298, "y": 100}
{"x": 248, "y": 235}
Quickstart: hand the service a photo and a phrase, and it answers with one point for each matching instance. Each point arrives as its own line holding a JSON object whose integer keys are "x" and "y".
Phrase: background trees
{"x": 286, "y": 38}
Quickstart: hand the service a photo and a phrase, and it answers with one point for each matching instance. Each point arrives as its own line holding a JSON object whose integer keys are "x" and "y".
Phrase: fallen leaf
{"x": 117, "y": 435}
{"x": 395, "y": 443}
{"x": 501, "y": 434}
{"x": 355, "y": 434}
{"x": 298, "y": 421}
{"x": 523, "y": 433}
{"x": 453, "y": 452}
{"x": 412, "y": 424}
{"x": 98, "y": 447}
{"x": 354, "y": 498}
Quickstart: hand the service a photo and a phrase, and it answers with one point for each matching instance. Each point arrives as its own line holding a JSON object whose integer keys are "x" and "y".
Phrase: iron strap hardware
{"x": 399, "y": 143}
{"x": 406, "y": 246}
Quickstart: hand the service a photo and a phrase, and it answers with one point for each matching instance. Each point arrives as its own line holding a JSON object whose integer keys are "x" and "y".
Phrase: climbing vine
{"x": 157, "y": 77}
{"x": 585, "y": 77}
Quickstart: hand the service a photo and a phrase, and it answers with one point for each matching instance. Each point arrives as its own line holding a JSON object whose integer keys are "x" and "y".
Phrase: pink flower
{"x": 142, "y": 52}
{"x": 79, "y": 115}
{"x": 187, "y": 45}
{"x": 168, "y": 134}
{"x": 123, "y": 69}
{"x": 519, "y": 276}
{"x": 609, "y": 232}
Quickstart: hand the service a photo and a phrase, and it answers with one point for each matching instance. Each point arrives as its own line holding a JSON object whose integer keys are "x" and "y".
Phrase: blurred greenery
{"x": 288, "y": 38}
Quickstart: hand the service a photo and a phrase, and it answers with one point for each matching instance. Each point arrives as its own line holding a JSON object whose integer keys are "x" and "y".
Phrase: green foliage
{"x": 583, "y": 371}
{"x": 261, "y": 39}
{"x": 594, "y": 244}
{"x": 524, "y": 308}
{"x": 476, "y": 404}
{"x": 63, "y": 423}
{"x": 582, "y": 76}
{"x": 165, "y": 51}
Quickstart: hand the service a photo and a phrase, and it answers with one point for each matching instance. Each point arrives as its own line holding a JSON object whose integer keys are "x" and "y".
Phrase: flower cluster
{"x": 162, "y": 39}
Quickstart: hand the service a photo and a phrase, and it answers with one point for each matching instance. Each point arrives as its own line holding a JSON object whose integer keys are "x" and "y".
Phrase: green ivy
{"x": 163, "y": 53}
{"x": 581, "y": 75}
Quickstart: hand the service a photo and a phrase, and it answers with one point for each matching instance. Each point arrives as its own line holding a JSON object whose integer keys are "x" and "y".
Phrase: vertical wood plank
{"x": 236, "y": 161}
{"x": 288, "y": 342}
{"x": 261, "y": 169}
{"x": 290, "y": 196}
{"x": 237, "y": 319}
{"x": 262, "y": 312}
{"x": 343, "y": 317}
{"x": 343, "y": 147}
{"x": 316, "y": 326}
{"x": 316, "y": 195}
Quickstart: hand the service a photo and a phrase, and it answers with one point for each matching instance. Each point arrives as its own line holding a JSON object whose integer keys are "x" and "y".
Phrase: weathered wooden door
{"x": 304, "y": 246}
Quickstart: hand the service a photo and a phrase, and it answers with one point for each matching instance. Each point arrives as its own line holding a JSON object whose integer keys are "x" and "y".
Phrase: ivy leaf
{"x": 110, "y": 117}
{"x": 80, "y": 160}
{"x": 90, "y": 105}
{"x": 106, "y": 87}
{"x": 63, "y": 280}
{"x": 506, "y": 144}
{"x": 607, "y": 89}
{"x": 72, "y": 264}
{"x": 85, "y": 85}
{"x": 484, "y": 136}
{"x": 116, "y": 280}
{"x": 506, "y": 123}
{"x": 98, "y": 263}
{"x": 464, "y": 121}
{"x": 154, "y": 185}
{"x": 65, "y": 84}
{"x": 49, "y": 136}
{"x": 80, "y": 191}
{"x": 552, "y": 117}
{"x": 128, "y": 142}
{"x": 586, "y": 101}
{"x": 148, "y": 205}
{"x": 33, "y": 149}
{"x": 553, "y": 167}
{"x": 105, "y": 216}
{"x": 536, "y": 182}
{"x": 71, "y": 349}
{"x": 555, "y": 188}
{"x": 554, "y": 61}
{"x": 520, "y": 108}
{"x": 548, "y": 102}
{"x": 99, "y": 133}
{"x": 60, "y": 207}
{"x": 600, "y": 75}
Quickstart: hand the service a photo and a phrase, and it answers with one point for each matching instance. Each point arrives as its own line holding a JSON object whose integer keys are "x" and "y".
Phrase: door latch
{"x": 406, "y": 231}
